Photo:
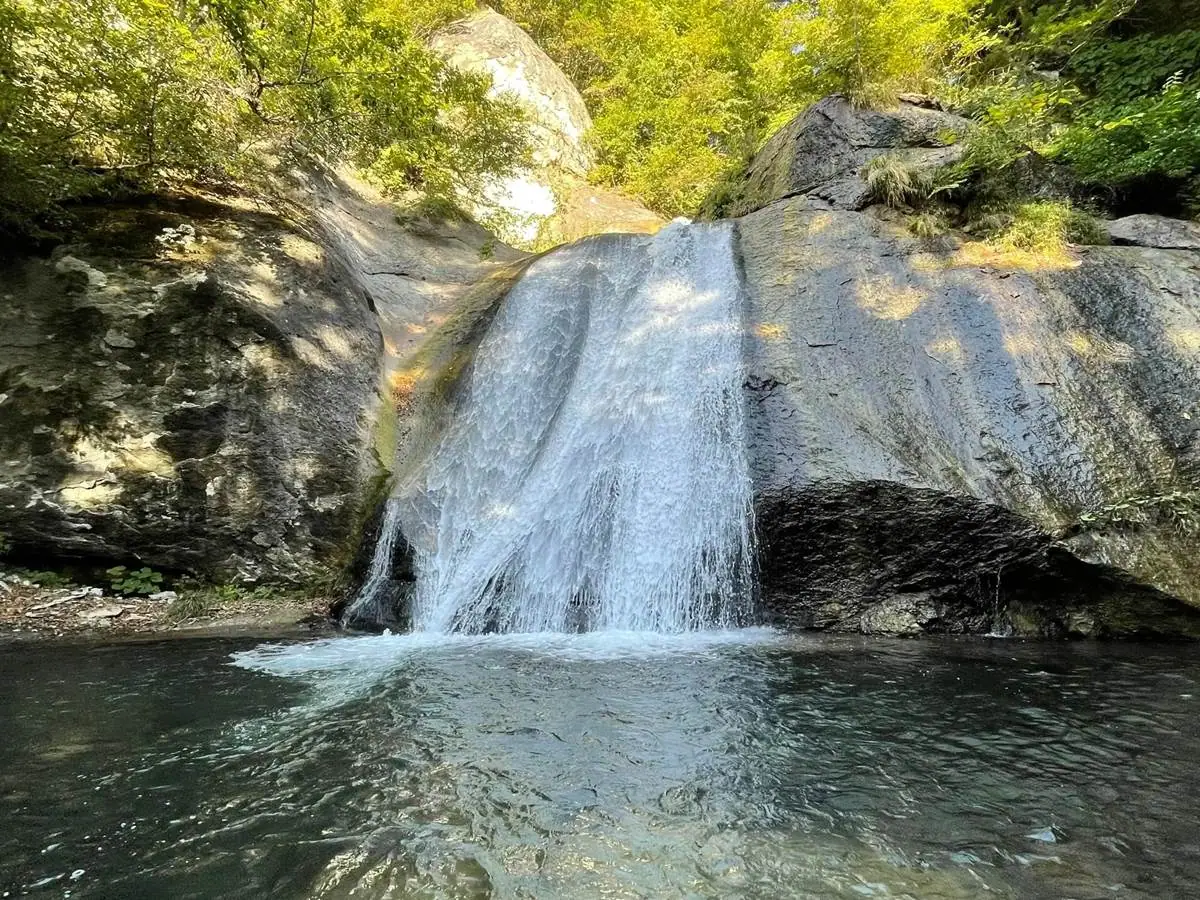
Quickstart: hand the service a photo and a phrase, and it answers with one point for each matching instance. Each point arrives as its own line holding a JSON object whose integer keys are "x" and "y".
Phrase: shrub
{"x": 135, "y": 95}
{"x": 189, "y": 605}
{"x": 44, "y": 579}
{"x": 928, "y": 225}
{"x": 131, "y": 582}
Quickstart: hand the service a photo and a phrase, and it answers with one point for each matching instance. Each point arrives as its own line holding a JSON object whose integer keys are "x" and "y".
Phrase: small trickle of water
{"x": 377, "y": 590}
{"x": 594, "y": 473}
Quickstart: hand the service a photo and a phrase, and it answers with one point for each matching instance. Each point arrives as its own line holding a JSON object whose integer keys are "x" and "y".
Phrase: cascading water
{"x": 594, "y": 471}
{"x": 378, "y": 589}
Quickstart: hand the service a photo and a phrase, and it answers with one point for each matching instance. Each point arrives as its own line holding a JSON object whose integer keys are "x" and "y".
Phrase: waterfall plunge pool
{"x": 743, "y": 764}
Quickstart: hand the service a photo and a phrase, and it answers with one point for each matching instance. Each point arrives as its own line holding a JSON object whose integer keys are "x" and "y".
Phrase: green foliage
{"x": 681, "y": 91}
{"x": 44, "y": 579}
{"x": 1111, "y": 88}
{"x": 237, "y": 593}
{"x": 928, "y": 224}
{"x": 189, "y": 605}
{"x": 103, "y": 96}
{"x": 431, "y": 208}
{"x": 136, "y": 581}
{"x": 1181, "y": 509}
{"x": 1048, "y": 227}
{"x": 5, "y": 544}
{"x": 198, "y": 598}
{"x": 1157, "y": 134}
{"x": 871, "y": 50}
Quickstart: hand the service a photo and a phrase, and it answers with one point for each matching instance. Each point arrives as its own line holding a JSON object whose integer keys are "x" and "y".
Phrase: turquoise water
{"x": 738, "y": 765}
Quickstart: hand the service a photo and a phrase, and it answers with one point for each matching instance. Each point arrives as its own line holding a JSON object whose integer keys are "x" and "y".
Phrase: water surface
{"x": 744, "y": 765}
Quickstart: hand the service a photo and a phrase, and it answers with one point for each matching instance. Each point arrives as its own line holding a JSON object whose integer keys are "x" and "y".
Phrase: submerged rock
{"x": 949, "y": 442}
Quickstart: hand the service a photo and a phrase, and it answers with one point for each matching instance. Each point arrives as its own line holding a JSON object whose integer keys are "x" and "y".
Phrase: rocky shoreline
{"x": 29, "y": 611}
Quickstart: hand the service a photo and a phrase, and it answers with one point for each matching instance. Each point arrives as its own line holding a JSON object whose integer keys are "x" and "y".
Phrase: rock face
{"x": 822, "y": 153}
{"x": 1155, "y": 231}
{"x": 186, "y": 389}
{"x": 551, "y": 201}
{"x": 949, "y": 444}
{"x": 490, "y": 44}
{"x": 202, "y": 388}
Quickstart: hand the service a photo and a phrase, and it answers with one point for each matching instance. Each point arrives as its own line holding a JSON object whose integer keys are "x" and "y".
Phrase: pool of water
{"x": 740, "y": 765}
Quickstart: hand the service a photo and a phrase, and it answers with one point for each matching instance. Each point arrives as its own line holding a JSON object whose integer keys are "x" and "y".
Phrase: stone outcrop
{"x": 1144, "y": 230}
{"x": 949, "y": 442}
{"x": 823, "y": 152}
{"x": 951, "y": 438}
{"x": 185, "y": 389}
{"x": 202, "y": 387}
{"x": 218, "y": 386}
{"x": 550, "y": 201}
{"x": 492, "y": 45}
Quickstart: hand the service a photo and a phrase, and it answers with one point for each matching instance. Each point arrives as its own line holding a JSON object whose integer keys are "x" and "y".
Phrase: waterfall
{"x": 594, "y": 474}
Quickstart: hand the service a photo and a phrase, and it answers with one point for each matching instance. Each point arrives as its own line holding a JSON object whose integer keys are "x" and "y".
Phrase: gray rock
{"x": 823, "y": 152}
{"x": 102, "y": 612}
{"x": 945, "y": 444}
{"x": 1155, "y": 231}
{"x": 551, "y": 200}
{"x": 247, "y": 422}
{"x": 120, "y": 341}
{"x": 240, "y": 400}
{"x": 490, "y": 44}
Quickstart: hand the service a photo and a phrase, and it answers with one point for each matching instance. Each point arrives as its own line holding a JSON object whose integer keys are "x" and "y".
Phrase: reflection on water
{"x": 738, "y": 765}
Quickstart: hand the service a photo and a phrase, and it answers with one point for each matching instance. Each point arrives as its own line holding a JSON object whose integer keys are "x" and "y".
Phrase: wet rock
{"x": 67, "y": 264}
{"x": 948, "y": 443}
{"x": 824, "y": 151}
{"x": 120, "y": 341}
{"x": 1043, "y": 835}
{"x": 1155, "y": 231}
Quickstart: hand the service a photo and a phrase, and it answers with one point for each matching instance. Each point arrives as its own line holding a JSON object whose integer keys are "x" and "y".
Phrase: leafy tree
{"x": 1112, "y": 88}
{"x": 682, "y": 90}
{"x": 106, "y": 95}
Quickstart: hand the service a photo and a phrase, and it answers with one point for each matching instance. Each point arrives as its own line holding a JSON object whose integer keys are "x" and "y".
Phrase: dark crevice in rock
{"x": 880, "y": 557}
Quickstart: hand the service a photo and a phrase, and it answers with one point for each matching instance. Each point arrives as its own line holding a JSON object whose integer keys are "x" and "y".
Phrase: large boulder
{"x": 489, "y": 44}
{"x": 823, "y": 153}
{"x": 549, "y": 201}
{"x": 944, "y": 441}
{"x": 1143, "y": 230}
{"x": 186, "y": 389}
{"x": 213, "y": 387}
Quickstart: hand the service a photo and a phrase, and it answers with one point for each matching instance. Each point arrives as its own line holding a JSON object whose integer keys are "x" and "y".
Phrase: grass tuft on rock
{"x": 1048, "y": 227}
{"x": 896, "y": 183}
